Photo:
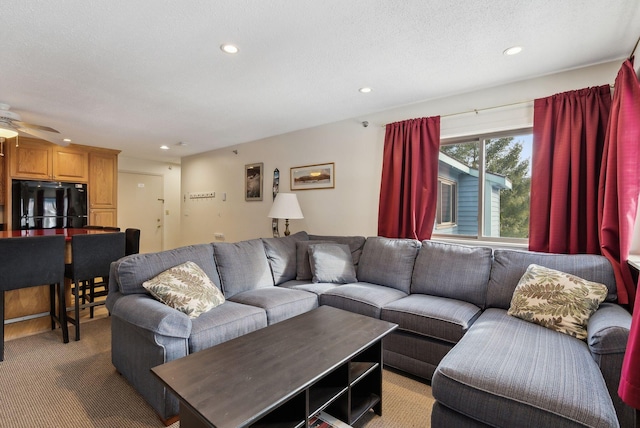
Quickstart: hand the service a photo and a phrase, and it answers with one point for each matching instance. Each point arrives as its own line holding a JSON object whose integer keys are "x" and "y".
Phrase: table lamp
{"x": 286, "y": 206}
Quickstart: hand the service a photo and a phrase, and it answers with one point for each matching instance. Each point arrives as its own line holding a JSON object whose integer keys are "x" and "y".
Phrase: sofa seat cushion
{"x": 312, "y": 287}
{"x": 432, "y": 316}
{"x": 280, "y": 303}
{"x": 224, "y": 322}
{"x": 505, "y": 371}
{"x": 361, "y": 297}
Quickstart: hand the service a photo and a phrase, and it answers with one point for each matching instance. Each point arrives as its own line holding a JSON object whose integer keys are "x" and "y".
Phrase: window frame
{"x": 481, "y": 139}
{"x": 454, "y": 203}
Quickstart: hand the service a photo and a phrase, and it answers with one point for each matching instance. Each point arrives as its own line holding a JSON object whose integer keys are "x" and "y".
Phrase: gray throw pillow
{"x": 332, "y": 263}
{"x": 303, "y": 267}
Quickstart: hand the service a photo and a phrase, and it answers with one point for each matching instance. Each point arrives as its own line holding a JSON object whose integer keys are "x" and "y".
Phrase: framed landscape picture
{"x": 320, "y": 176}
{"x": 253, "y": 181}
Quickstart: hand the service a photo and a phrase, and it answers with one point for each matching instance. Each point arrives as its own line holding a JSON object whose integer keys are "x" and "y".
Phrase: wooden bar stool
{"x": 91, "y": 259}
{"x": 33, "y": 261}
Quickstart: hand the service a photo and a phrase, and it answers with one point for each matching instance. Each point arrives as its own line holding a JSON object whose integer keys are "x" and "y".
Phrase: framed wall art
{"x": 320, "y": 176}
{"x": 253, "y": 181}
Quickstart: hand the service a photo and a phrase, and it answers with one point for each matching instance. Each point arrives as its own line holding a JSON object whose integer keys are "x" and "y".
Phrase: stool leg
{"x": 77, "y": 310}
{"x": 92, "y": 289}
{"x": 62, "y": 312}
{"x": 52, "y": 309}
{"x": 2, "y": 329}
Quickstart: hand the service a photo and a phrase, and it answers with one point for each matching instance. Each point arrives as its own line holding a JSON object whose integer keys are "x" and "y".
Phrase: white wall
{"x": 171, "y": 174}
{"x": 352, "y": 207}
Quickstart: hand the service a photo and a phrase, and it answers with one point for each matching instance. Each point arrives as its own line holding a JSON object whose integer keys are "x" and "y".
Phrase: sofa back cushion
{"x": 281, "y": 254}
{"x": 509, "y": 266}
{"x": 131, "y": 271}
{"x": 454, "y": 271}
{"x": 388, "y": 262}
{"x": 242, "y": 266}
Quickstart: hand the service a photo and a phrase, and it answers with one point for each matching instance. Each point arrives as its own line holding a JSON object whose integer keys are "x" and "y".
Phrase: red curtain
{"x": 408, "y": 193}
{"x": 568, "y": 141}
{"x": 621, "y": 186}
{"x": 620, "y": 179}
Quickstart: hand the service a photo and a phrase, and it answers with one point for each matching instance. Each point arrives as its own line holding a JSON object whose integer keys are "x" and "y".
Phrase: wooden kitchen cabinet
{"x": 103, "y": 188}
{"x": 103, "y": 217}
{"x": 41, "y": 160}
{"x": 70, "y": 164}
{"x": 31, "y": 159}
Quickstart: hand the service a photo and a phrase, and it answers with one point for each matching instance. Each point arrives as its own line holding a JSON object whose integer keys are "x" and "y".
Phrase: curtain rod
{"x": 634, "y": 48}
{"x": 478, "y": 110}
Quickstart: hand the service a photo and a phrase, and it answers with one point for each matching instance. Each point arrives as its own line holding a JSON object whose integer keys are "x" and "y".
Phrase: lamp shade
{"x": 286, "y": 206}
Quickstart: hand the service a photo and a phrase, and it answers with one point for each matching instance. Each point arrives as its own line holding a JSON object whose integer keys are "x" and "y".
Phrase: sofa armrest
{"x": 607, "y": 335}
{"x": 147, "y": 313}
{"x": 608, "y": 330}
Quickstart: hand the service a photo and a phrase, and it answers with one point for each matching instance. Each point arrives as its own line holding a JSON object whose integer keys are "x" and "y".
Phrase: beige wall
{"x": 352, "y": 207}
{"x": 355, "y": 150}
{"x": 171, "y": 182}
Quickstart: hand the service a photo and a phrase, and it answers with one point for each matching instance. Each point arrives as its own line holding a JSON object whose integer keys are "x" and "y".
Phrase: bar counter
{"x": 68, "y": 233}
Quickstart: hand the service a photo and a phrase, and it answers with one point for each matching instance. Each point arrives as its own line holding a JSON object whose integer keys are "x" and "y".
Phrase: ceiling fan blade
{"x": 37, "y": 127}
{"x": 43, "y": 136}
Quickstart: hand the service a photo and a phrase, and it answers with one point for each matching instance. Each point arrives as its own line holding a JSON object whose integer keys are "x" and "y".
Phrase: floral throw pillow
{"x": 186, "y": 288}
{"x": 556, "y": 300}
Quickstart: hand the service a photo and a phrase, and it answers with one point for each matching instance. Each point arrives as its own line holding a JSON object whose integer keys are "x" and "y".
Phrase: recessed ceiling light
{"x": 164, "y": 147}
{"x": 229, "y": 48}
{"x": 514, "y": 50}
{"x": 67, "y": 140}
{"x": 365, "y": 90}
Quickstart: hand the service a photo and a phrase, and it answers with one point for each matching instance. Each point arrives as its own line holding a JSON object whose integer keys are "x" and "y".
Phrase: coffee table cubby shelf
{"x": 347, "y": 393}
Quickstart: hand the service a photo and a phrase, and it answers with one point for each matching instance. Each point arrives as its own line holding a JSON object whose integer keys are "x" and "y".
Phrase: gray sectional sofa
{"x": 487, "y": 368}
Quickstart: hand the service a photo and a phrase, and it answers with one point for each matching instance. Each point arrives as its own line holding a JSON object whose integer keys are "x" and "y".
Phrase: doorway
{"x": 141, "y": 206}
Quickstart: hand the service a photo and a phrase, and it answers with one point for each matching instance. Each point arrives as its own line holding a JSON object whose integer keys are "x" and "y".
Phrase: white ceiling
{"x": 136, "y": 74}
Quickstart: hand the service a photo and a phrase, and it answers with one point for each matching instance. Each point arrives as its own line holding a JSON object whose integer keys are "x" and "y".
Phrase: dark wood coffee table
{"x": 282, "y": 375}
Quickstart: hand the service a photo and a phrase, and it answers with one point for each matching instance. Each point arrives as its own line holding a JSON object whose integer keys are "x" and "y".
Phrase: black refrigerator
{"x": 48, "y": 204}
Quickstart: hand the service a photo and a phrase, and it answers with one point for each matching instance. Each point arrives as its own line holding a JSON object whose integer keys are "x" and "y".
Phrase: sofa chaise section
{"x": 509, "y": 372}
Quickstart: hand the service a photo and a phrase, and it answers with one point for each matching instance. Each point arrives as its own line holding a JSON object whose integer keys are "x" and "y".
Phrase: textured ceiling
{"x": 136, "y": 74}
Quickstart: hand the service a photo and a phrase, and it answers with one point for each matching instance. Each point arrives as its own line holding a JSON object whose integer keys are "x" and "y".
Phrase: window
{"x": 447, "y": 202}
{"x": 483, "y": 186}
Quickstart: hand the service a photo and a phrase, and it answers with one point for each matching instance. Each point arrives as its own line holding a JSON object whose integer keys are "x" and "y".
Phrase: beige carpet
{"x": 44, "y": 383}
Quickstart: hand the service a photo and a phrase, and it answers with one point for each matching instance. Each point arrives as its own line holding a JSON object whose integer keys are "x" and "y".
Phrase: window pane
{"x": 446, "y": 203}
{"x": 507, "y": 184}
{"x": 458, "y": 165}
